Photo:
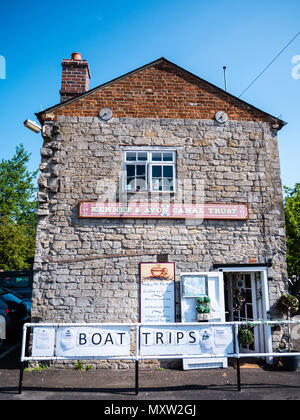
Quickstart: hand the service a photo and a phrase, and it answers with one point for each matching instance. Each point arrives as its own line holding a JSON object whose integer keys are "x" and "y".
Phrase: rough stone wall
{"x": 238, "y": 163}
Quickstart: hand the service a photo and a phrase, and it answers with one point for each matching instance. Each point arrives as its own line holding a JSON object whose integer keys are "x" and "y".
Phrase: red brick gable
{"x": 159, "y": 90}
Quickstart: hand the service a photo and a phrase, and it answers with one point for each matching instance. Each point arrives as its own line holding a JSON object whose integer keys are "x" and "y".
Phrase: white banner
{"x": 81, "y": 341}
{"x": 93, "y": 341}
{"x": 84, "y": 341}
{"x": 186, "y": 340}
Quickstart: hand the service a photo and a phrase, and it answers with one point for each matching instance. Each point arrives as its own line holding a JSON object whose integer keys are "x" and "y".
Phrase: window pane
{"x": 130, "y": 156}
{"x": 249, "y": 312}
{"x": 130, "y": 184}
{"x": 168, "y": 171}
{"x": 140, "y": 184}
{"x": 156, "y": 171}
{"x": 170, "y": 184}
{"x": 142, "y": 155}
{"x": 168, "y": 157}
{"x": 140, "y": 170}
{"x": 166, "y": 184}
{"x": 248, "y": 296}
{"x": 156, "y": 185}
{"x": 130, "y": 170}
{"x": 156, "y": 156}
{"x": 14, "y": 282}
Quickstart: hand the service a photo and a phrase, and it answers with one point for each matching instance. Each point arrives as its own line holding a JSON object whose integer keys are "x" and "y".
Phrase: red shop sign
{"x": 89, "y": 209}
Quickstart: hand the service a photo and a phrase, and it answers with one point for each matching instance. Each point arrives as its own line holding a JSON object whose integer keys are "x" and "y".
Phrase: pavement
{"x": 168, "y": 385}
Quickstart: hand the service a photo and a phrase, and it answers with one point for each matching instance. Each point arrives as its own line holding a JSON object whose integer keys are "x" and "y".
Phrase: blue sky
{"x": 118, "y": 36}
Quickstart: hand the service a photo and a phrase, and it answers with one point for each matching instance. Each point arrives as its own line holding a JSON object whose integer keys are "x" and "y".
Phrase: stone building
{"x": 158, "y": 132}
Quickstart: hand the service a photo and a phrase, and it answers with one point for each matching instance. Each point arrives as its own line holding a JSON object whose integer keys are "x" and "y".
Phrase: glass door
{"x": 242, "y": 304}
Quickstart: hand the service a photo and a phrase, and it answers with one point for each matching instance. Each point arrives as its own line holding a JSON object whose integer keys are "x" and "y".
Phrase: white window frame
{"x": 149, "y": 163}
{"x": 134, "y": 163}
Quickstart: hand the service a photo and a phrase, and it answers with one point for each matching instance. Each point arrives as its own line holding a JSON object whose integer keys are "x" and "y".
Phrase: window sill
{"x": 149, "y": 192}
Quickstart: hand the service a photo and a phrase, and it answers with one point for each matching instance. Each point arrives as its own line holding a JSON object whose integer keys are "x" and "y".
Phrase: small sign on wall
{"x": 157, "y": 292}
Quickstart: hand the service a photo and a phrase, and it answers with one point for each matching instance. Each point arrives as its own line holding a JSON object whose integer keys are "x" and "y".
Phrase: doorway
{"x": 244, "y": 302}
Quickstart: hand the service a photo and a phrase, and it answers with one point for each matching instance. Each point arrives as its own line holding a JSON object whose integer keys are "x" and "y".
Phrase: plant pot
{"x": 290, "y": 363}
{"x": 203, "y": 317}
{"x": 245, "y": 336}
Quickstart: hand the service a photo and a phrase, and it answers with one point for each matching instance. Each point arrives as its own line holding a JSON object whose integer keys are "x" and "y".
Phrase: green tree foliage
{"x": 17, "y": 212}
{"x": 292, "y": 221}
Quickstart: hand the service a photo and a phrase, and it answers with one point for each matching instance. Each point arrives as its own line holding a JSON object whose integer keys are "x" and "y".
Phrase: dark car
{"x": 19, "y": 282}
{"x": 13, "y": 314}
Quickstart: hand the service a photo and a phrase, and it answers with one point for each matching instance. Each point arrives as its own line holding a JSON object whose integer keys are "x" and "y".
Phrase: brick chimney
{"x": 75, "y": 77}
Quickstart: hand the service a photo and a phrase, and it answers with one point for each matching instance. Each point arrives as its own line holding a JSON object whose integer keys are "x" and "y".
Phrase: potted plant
{"x": 203, "y": 308}
{"x": 289, "y": 305}
{"x": 245, "y": 336}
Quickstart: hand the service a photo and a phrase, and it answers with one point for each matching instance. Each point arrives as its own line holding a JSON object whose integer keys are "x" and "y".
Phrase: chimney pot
{"x": 76, "y": 56}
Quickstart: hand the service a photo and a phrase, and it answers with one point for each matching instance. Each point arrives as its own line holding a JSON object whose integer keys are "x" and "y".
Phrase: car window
{"x": 12, "y": 282}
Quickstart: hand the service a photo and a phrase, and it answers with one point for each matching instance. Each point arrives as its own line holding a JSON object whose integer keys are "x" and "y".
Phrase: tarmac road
{"x": 168, "y": 385}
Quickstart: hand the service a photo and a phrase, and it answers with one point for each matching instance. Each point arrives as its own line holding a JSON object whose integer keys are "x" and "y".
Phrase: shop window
{"x": 151, "y": 170}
